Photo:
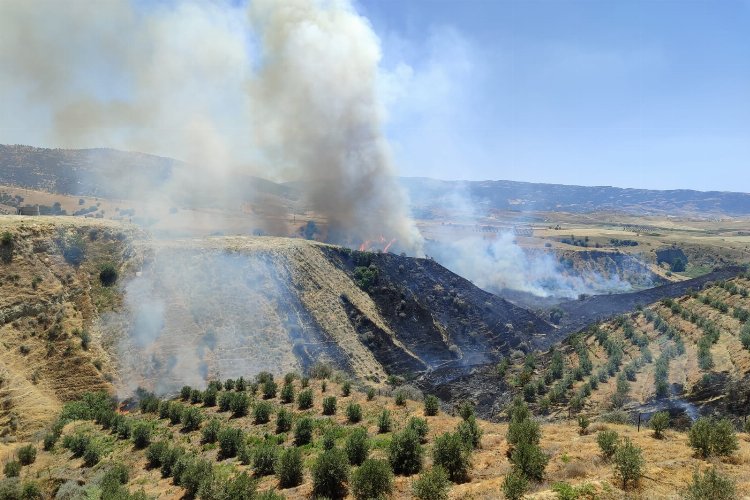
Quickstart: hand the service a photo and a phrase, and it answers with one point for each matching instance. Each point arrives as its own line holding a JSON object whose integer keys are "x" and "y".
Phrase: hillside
{"x": 219, "y": 445}
{"x": 188, "y": 310}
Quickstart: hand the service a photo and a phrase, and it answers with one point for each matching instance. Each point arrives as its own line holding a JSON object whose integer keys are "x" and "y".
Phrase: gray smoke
{"x": 282, "y": 90}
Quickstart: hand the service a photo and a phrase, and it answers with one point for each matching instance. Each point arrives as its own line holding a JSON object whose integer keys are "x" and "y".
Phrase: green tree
{"x": 450, "y": 453}
{"x": 629, "y": 463}
{"x": 330, "y": 474}
{"x": 372, "y": 479}
{"x": 405, "y": 453}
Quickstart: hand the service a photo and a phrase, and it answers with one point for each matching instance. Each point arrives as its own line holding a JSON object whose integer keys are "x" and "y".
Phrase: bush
{"x": 240, "y": 487}
{"x": 191, "y": 418}
{"x": 405, "y": 453}
{"x": 155, "y": 454}
{"x": 353, "y": 413}
{"x": 373, "y": 479}
{"x": 27, "y": 454}
{"x": 708, "y": 436}
{"x": 210, "y": 433}
{"x": 265, "y": 458}
{"x": 529, "y": 460}
{"x": 400, "y": 398}
{"x": 450, "y": 453}
{"x": 515, "y": 485}
{"x": 209, "y": 397}
{"x": 470, "y": 433}
{"x": 723, "y": 438}
{"x": 115, "y": 476}
{"x": 196, "y": 396}
{"x": 198, "y": 473}
{"x": 76, "y": 443}
{"x": 175, "y": 412}
{"x": 122, "y": 427}
{"x": 287, "y": 393}
{"x": 419, "y": 425}
{"x": 269, "y": 389}
{"x": 289, "y": 468}
{"x": 303, "y": 431}
{"x": 370, "y": 394}
{"x": 305, "y": 399}
{"x": 239, "y": 404}
{"x": 92, "y": 455}
{"x": 31, "y": 491}
{"x": 141, "y": 435}
{"x": 346, "y": 389}
{"x": 230, "y": 441}
{"x": 607, "y": 441}
{"x": 525, "y": 431}
{"x": 432, "y": 484}
{"x": 240, "y": 385}
{"x": 583, "y": 425}
{"x": 384, "y": 422}
{"x": 357, "y": 446}
{"x": 283, "y": 421}
{"x": 262, "y": 412}
{"x": 12, "y": 468}
{"x": 659, "y": 422}
{"x": 710, "y": 486}
{"x": 431, "y": 406}
{"x": 329, "y": 405}
{"x": 108, "y": 275}
{"x": 185, "y": 392}
{"x": 330, "y": 474}
{"x": 628, "y": 463}
{"x": 169, "y": 459}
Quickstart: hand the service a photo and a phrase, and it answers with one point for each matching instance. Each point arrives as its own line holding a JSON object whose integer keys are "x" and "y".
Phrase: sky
{"x": 631, "y": 93}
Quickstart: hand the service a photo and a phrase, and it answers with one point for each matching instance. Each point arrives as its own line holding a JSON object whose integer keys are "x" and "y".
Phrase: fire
{"x": 382, "y": 241}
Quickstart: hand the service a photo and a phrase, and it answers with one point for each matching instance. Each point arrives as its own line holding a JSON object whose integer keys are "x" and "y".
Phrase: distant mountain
{"x": 109, "y": 173}
{"x": 431, "y": 196}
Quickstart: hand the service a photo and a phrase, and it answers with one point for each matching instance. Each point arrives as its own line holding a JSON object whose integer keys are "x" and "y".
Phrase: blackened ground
{"x": 438, "y": 316}
{"x": 580, "y": 313}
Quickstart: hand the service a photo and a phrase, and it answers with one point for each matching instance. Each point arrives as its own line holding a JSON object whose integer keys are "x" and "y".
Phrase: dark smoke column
{"x": 319, "y": 119}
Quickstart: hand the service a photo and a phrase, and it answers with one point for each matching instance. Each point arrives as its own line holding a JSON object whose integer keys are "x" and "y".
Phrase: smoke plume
{"x": 281, "y": 90}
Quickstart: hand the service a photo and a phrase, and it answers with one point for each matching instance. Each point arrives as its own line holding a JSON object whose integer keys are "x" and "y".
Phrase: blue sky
{"x": 632, "y": 93}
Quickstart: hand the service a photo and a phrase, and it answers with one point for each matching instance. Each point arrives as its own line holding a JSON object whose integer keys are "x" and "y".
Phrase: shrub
{"x": 400, "y": 398}
{"x": 262, "y": 412}
{"x": 370, "y": 394}
{"x": 659, "y": 422}
{"x": 466, "y": 410}
{"x": 710, "y": 486}
{"x": 525, "y": 431}
{"x": 405, "y": 453}
{"x": 12, "y": 468}
{"x": 329, "y": 439}
{"x": 450, "y": 453}
{"x": 515, "y": 485}
{"x": 93, "y": 454}
{"x": 27, "y": 454}
{"x": 269, "y": 389}
{"x": 185, "y": 392}
{"x": 346, "y": 389}
{"x": 198, "y": 473}
{"x": 384, "y": 422}
{"x": 239, "y": 404}
{"x": 196, "y": 396}
{"x": 283, "y": 421}
{"x": 353, "y": 413}
{"x": 305, "y": 399}
{"x": 628, "y": 463}
{"x": 240, "y": 385}
{"x": 229, "y": 384}
{"x": 264, "y": 377}
{"x": 230, "y": 441}
{"x": 85, "y": 340}
{"x": 155, "y": 453}
{"x": 240, "y": 487}
{"x": 175, "y": 412}
{"x": 583, "y": 425}
{"x": 431, "y": 406}
{"x": 191, "y": 418}
{"x": 723, "y": 438}
{"x": 330, "y": 474}
{"x": 470, "y": 433}
{"x": 373, "y": 479}
{"x": 169, "y": 459}
{"x": 287, "y": 393}
{"x": 108, "y": 274}
{"x": 76, "y": 443}
{"x": 116, "y": 475}
{"x": 419, "y": 425}
{"x": 264, "y": 459}
{"x": 607, "y": 441}
{"x": 329, "y": 405}
{"x": 303, "y": 431}
{"x": 432, "y": 484}
{"x": 529, "y": 460}
{"x": 123, "y": 427}
{"x": 148, "y": 403}
{"x": 357, "y": 446}
{"x": 210, "y": 433}
{"x": 30, "y": 490}
{"x": 141, "y": 435}
{"x": 289, "y": 468}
